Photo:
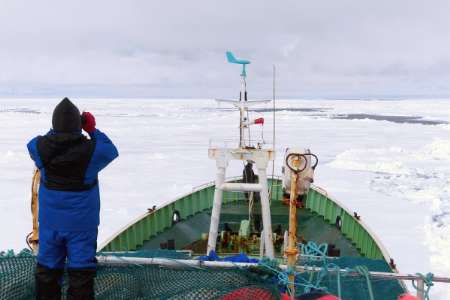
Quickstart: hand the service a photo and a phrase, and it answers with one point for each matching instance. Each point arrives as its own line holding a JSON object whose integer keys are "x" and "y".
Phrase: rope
{"x": 311, "y": 248}
{"x": 337, "y": 269}
{"x": 428, "y": 281}
{"x": 313, "y": 283}
{"x": 283, "y": 277}
{"x": 32, "y": 239}
{"x": 365, "y": 272}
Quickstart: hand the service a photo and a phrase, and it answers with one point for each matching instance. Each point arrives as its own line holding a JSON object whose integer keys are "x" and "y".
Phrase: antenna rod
{"x": 273, "y": 137}
{"x": 273, "y": 99}
{"x": 242, "y": 115}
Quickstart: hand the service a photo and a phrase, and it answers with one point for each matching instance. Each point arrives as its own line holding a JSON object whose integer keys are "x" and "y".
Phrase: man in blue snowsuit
{"x": 69, "y": 201}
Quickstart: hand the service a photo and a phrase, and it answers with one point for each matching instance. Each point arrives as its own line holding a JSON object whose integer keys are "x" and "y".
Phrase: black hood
{"x": 66, "y": 117}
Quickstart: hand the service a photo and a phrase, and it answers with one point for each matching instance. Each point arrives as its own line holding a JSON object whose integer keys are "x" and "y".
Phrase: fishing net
{"x": 157, "y": 282}
{"x": 138, "y": 281}
{"x": 135, "y": 281}
{"x": 17, "y": 275}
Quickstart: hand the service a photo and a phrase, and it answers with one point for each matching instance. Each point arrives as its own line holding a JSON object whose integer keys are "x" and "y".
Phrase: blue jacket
{"x": 69, "y": 198}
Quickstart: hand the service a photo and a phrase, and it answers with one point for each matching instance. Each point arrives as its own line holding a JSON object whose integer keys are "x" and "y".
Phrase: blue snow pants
{"x": 79, "y": 247}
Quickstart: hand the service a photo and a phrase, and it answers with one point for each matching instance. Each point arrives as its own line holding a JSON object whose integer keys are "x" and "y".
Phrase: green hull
{"x": 317, "y": 222}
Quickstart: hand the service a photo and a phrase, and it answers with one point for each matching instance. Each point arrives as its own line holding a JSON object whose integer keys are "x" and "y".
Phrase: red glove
{"x": 88, "y": 122}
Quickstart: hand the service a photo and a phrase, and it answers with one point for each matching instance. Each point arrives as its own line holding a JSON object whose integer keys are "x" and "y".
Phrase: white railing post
{"x": 261, "y": 245}
{"x": 265, "y": 212}
{"x": 420, "y": 289}
{"x": 222, "y": 164}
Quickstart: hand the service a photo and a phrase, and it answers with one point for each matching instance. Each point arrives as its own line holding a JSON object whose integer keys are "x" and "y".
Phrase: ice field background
{"x": 387, "y": 160}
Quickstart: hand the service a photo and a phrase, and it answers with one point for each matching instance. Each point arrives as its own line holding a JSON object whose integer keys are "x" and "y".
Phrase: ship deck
{"x": 311, "y": 227}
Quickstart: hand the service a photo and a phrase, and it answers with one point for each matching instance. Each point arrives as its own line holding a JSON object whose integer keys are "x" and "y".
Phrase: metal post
{"x": 285, "y": 241}
{"x": 292, "y": 251}
{"x": 241, "y": 128}
{"x": 242, "y": 115}
{"x": 261, "y": 244}
{"x": 420, "y": 289}
{"x": 265, "y": 211}
{"x": 222, "y": 164}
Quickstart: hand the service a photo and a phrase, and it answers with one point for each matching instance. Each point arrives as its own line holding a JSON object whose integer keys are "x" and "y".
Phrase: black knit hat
{"x": 66, "y": 117}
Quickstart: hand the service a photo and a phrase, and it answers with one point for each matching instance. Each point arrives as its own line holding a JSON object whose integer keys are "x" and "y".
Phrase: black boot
{"x": 81, "y": 284}
{"x": 48, "y": 283}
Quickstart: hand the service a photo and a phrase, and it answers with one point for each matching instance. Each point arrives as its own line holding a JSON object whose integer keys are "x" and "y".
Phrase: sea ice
{"x": 395, "y": 175}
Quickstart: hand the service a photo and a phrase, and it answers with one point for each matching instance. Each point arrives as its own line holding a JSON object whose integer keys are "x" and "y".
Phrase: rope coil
{"x": 428, "y": 281}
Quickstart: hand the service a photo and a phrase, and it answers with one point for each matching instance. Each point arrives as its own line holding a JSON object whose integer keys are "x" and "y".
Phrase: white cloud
{"x": 177, "y": 47}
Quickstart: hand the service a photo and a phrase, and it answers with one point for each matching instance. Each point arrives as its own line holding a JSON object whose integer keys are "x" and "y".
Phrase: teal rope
{"x": 339, "y": 283}
{"x": 428, "y": 281}
{"x": 312, "y": 248}
{"x": 365, "y": 272}
{"x": 337, "y": 269}
{"x": 283, "y": 277}
{"x": 321, "y": 250}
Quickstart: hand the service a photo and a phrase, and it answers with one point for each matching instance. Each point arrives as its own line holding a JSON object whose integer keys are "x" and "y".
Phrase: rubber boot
{"x": 81, "y": 284}
{"x": 48, "y": 283}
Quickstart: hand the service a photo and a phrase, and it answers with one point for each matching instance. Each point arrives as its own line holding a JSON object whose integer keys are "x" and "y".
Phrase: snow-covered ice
{"x": 392, "y": 169}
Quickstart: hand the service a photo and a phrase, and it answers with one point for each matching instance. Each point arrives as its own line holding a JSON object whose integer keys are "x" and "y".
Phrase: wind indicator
{"x": 233, "y": 60}
{"x": 243, "y": 103}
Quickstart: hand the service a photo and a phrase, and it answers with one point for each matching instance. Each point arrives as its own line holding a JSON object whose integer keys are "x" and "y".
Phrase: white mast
{"x": 244, "y": 152}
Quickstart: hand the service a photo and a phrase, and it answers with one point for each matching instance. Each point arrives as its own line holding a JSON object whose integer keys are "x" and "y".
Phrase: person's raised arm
{"x": 33, "y": 151}
{"x": 105, "y": 151}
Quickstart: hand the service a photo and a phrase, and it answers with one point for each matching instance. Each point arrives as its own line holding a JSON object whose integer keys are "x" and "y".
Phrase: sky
{"x": 321, "y": 49}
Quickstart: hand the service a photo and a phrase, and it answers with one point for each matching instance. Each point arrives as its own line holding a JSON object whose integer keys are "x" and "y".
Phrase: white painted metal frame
{"x": 261, "y": 157}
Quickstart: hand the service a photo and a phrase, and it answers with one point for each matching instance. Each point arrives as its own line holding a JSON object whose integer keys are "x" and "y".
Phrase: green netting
{"x": 133, "y": 281}
{"x": 355, "y": 287}
{"x": 17, "y": 277}
{"x": 155, "y": 282}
